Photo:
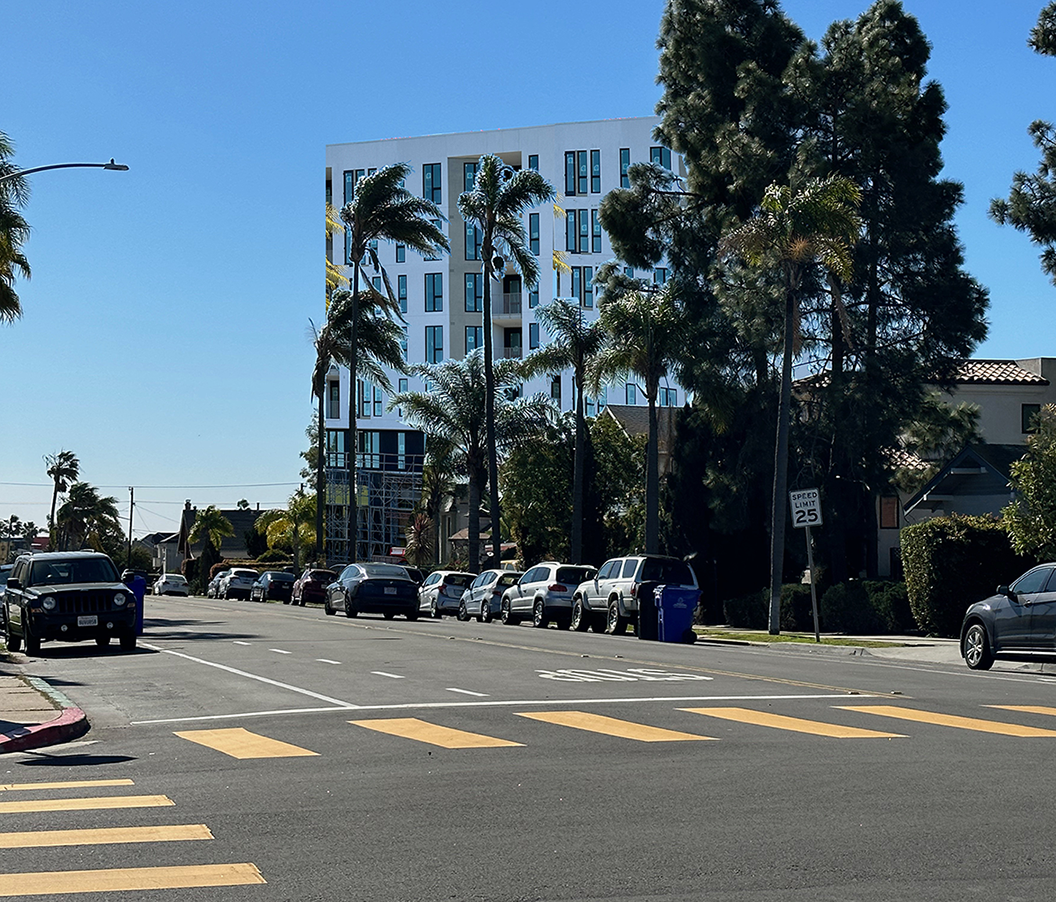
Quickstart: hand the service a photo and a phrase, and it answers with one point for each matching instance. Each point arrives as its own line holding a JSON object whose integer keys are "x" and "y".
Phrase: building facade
{"x": 442, "y": 298}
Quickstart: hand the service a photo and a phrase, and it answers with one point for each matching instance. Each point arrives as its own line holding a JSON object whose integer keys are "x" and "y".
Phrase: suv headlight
{"x": 119, "y": 599}
{"x": 48, "y": 602}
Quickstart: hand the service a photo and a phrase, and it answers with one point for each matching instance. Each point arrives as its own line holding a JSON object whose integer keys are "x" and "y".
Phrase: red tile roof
{"x": 996, "y": 372}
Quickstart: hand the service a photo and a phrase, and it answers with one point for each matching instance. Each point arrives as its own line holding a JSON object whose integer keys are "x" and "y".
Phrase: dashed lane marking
{"x": 102, "y": 802}
{"x": 391, "y": 676}
{"x": 46, "y": 883}
{"x": 280, "y": 651}
{"x": 611, "y": 726}
{"x": 422, "y": 731}
{"x": 241, "y": 743}
{"x": 64, "y": 784}
{"x": 1026, "y": 709}
{"x": 104, "y": 836}
{"x": 327, "y": 661}
{"x": 467, "y": 692}
{"x": 950, "y": 720}
{"x": 793, "y": 724}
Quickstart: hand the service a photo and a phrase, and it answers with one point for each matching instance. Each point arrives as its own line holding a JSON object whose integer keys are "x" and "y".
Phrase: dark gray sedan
{"x": 1020, "y": 619}
{"x": 373, "y": 589}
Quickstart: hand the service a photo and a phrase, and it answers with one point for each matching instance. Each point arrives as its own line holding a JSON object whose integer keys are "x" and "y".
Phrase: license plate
{"x": 88, "y": 620}
{"x": 390, "y": 590}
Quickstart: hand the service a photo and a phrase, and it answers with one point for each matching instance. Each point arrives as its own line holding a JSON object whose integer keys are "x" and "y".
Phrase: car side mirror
{"x": 1007, "y": 592}
{"x": 14, "y": 583}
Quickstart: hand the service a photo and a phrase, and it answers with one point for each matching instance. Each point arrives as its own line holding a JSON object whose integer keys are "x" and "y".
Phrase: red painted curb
{"x": 71, "y": 724}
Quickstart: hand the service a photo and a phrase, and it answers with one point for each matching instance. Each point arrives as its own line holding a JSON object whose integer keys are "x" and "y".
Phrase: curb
{"x": 71, "y": 724}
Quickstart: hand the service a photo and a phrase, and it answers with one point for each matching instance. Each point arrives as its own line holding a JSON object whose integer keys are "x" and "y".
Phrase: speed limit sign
{"x": 806, "y": 507}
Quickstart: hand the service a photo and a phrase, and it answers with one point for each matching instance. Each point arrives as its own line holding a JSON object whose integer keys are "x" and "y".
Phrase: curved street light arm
{"x": 120, "y": 167}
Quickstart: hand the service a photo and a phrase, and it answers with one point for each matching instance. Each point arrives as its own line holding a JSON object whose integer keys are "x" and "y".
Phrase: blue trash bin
{"x": 675, "y": 607}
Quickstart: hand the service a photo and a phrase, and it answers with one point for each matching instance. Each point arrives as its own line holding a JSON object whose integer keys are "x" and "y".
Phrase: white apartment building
{"x": 442, "y": 298}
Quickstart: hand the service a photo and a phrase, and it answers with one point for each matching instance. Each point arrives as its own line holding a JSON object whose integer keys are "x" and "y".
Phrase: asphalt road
{"x": 279, "y": 754}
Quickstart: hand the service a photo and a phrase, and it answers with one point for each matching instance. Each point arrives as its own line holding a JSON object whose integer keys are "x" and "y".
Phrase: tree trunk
{"x": 652, "y": 480}
{"x": 577, "y": 473}
{"x": 489, "y": 404}
{"x": 320, "y": 478}
{"x": 350, "y": 451}
{"x": 474, "y": 518}
{"x": 779, "y": 507}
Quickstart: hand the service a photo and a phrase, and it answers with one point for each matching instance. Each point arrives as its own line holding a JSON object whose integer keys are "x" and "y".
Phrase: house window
{"x": 595, "y": 232}
{"x": 431, "y": 187}
{"x": 595, "y": 172}
{"x": 333, "y": 399}
{"x": 533, "y": 233}
{"x": 668, "y": 397}
{"x": 628, "y": 271}
{"x": 631, "y": 393}
{"x": 434, "y": 292}
{"x": 533, "y": 336}
{"x": 474, "y": 237}
{"x": 1027, "y": 414}
{"x": 660, "y": 275}
{"x": 661, "y": 156}
{"x": 474, "y": 338}
{"x": 555, "y": 389}
{"x": 533, "y": 161}
{"x": 889, "y": 512}
{"x": 401, "y": 253}
{"x": 401, "y": 290}
{"x": 434, "y": 344}
{"x": 625, "y": 164}
{"x": 378, "y": 401}
{"x": 469, "y": 175}
{"x": 474, "y": 292}
{"x": 570, "y": 173}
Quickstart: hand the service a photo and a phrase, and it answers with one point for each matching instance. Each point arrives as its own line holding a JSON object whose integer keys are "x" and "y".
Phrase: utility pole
{"x": 131, "y": 507}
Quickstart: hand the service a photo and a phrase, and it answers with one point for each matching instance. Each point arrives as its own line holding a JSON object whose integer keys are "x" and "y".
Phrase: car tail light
{"x": 634, "y": 590}
{"x": 557, "y": 587}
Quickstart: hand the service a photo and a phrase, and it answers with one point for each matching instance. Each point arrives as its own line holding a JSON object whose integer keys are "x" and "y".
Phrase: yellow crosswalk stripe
{"x": 1026, "y": 709}
{"x": 65, "y": 784}
{"x": 45, "y": 883}
{"x": 794, "y": 724}
{"x": 423, "y": 731}
{"x": 242, "y": 744}
{"x": 950, "y": 720}
{"x": 104, "y": 802}
{"x": 37, "y": 839}
{"x": 611, "y": 726}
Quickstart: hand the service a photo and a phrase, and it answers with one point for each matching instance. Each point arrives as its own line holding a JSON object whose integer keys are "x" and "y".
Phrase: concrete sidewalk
{"x": 33, "y": 713}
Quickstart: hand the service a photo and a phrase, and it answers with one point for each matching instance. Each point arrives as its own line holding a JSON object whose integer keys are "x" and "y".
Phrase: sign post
{"x": 806, "y": 512}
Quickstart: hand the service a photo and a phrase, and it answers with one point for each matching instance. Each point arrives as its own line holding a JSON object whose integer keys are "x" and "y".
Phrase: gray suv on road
{"x": 611, "y": 597}
{"x": 544, "y": 594}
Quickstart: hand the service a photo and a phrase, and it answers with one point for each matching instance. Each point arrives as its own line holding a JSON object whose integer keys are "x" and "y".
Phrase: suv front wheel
{"x": 615, "y": 623}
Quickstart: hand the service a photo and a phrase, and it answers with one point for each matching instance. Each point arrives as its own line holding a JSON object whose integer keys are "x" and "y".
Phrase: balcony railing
{"x": 512, "y": 353}
{"x": 509, "y": 305}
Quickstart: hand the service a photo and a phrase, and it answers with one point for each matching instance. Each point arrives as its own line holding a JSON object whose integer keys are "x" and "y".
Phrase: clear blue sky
{"x": 165, "y": 334}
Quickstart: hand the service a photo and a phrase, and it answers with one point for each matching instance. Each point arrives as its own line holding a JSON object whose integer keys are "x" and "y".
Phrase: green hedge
{"x": 752, "y": 612}
{"x": 952, "y": 562}
{"x": 868, "y": 606}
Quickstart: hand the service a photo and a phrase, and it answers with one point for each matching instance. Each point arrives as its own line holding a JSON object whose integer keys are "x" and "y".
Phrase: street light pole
{"x": 120, "y": 167}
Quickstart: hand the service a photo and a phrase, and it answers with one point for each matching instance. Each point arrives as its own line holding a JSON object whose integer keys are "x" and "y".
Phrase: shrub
{"x": 274, "y": 555}
{"x": 749, "y": 611}
{"x": 951, "y": 562}
{"x": 797, "y": 613}
{"x": 847, "y": 608}
{"x": 890, "y": 601}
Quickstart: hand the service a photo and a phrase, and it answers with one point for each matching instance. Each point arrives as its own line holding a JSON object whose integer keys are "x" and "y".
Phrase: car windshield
{"x": 245, "y": 574}
{"x": 661, "y": 571}
{"x": 323, "y": 576}
{"x": 575, "y": 575}
{"x": 510, "y": 578}
{"x": 388, "y": 571}
{"x": 89, "y": 570}
{"x": 458, "y": 579}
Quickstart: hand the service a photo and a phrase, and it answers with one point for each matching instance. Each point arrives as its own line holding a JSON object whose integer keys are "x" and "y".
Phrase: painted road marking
{"x": 795, "y": 724}
{"x": 280, "y": 651}
{"x": 45, "y": 883}
{"x": 610, "y": 726}
{"x": 1026, "y": 709}
{"x": 65, "y": 784}
{"x": 391, "y": 676}
{"x": 631, "y": 675}
{"x": 240, "y": 642}
{"x": 85, "y": 804}
{"x": 467, "y": 692}
{"x": 950, "y": 720}
{"x": 327, "y": 661}
{"x": 240, "y": 743}
{"x": 422, "y": 731}
{"x": 103, "y": 836}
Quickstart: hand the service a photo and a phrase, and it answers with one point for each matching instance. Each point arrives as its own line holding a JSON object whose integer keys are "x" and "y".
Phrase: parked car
{"x": 384, "y": 589}
{"x": 171, "y": 584}
{"x": 544, "y": 593}
{"x": 213, "y": 589}
{"x": 484, "y": 596}
{"x": 68, "y": 595}
{"x": 311, "y": 586}
{"x": 442, "y": 591}
{"x": 611, "y": 596}
{"x": 5, "y": 572}
{"x": 1019, "y": 619}
{"x": 272, "y": 584}
{"x": 414, "y": 573}
{"x": 237, "y": 582}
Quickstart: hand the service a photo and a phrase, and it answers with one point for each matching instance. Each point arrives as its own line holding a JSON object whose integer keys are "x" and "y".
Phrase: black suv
{"x": 67, "y": 595}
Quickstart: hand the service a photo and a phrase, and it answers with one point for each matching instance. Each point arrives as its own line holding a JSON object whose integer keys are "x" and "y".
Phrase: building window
{"x": 379, "y": 399}
{"x": 583, "y": 285}
{"x": 595, "y": 172}
{"x": 335, "y": 448}
{"x": 595, "y": 232}
{"x": 474, "y": 292}
{"x": 889, "y": 512}
{"x": 375, "y": 283}
{"x": 555, "y": 389}
{"x": 668, "y": 397}
{"x": 474, "y": 338}
{"x": 577, "y": 231}
{"x": 469, "y": 176}
{"x": 1027, "y": 414}
{"x": 631, "y": 393}
{"x": 429, "y": 255}
{"x": 661, "y": 156}
{"x": 577, "y": 283}
{"x": 533, "y": 336}
{"x": 434, "y": 292}
{"x": 474, "y": 236}
{"x": 533, "y": 161}
{"x": 660, "y": 275}
{"x": 401, "y": 253}
{"x": 403, "y": 342}
{"x": 362, "y": 399}
{"x": 434, "y": 344}
{"x": 351, "y": 177}
{"x": 333, "y": 399}
{"x": 603, "y": 399}
{"x": 590, "y": 408}
{"x": 570, "y": 173}
{"x": 533, "y": 297}
{"x": 533, "y": 233}
{"x": 401, "y": 450}
{"x": 581, "y": 172}
{"x": 369, "y": 445}
{"x": 625, "y": 164}
{"x": 628, "y": 271}
{"x": 403, "y": 387}
{"x": 401, "y": 290}
{"x": 431, "y": 186}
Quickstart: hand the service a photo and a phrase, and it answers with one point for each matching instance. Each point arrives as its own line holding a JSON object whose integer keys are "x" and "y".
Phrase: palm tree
{"x": 495, "y": 204}
{"x": 454, "y": 410}
{"x": 438, "y": 484}
{"x": 334, "y": 277}
{"x": 14, "y": 230}
{"x": 575, "y": 345}
{"x": 293, "y": 526}
{"x": 794, "y": 230}
{"x": 63, "y": 468}
{"x": 645, "y": 337}
{"x": 210, "y": 528}
{"x": 381, "y": 209}
{"x": 86, "y": 516}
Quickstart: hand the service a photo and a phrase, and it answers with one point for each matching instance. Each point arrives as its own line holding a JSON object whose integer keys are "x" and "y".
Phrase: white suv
{"x": 611, "y": 597}
{"x": 544, "y": 594}
{"x": 238, "y": 582}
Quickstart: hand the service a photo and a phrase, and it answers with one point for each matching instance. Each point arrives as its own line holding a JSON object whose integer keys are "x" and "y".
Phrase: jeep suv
{"x": 611, "y": 597}
{"x": 67, "y": 595}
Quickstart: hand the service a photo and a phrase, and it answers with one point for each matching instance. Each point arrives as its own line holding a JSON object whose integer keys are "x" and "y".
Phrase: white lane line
{"x": 139, "y": 723}
{"x": 327, "y": 661}
{"x": 467, "y": 692}
{"x": 252, "y": 676}
{"x": 279, "y": 651}
{"x": 391, "y": 676}
{"x": 239, "y": 642}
